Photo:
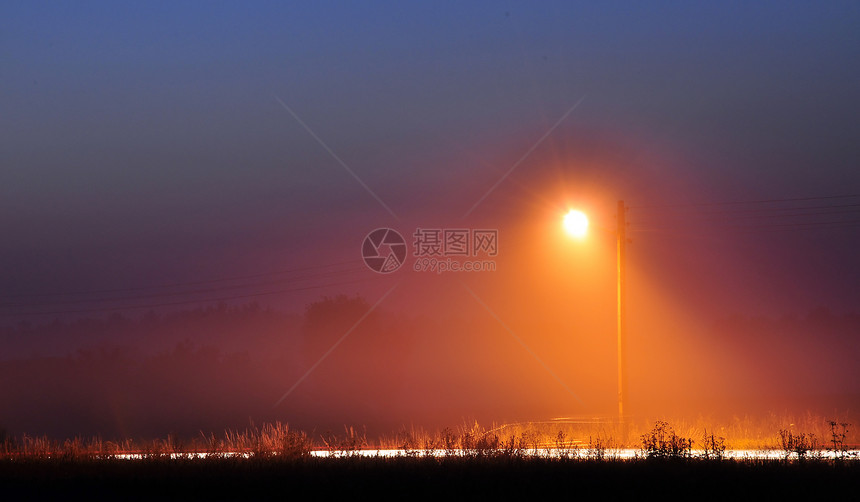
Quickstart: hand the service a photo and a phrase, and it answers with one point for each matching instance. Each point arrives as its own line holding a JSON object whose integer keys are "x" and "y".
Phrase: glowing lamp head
{"x": 576, "y": 223}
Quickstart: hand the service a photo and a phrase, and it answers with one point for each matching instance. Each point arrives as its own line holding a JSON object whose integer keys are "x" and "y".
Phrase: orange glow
{"x": 576, "y": 223}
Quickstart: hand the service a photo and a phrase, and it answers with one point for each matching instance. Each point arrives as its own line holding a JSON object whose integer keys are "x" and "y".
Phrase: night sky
{"x": 168, "y": 155}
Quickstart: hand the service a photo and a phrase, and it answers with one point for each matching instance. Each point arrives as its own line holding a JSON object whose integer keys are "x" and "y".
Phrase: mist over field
{"x": 224, "y": 367}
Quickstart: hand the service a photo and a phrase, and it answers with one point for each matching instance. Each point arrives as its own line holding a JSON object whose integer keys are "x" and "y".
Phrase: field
{"x": 275, "y": 462}
{"x": 422, "y": 477}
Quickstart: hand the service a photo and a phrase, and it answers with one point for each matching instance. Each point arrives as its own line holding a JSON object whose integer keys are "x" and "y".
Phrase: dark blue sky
{"x": 143, "y": 143}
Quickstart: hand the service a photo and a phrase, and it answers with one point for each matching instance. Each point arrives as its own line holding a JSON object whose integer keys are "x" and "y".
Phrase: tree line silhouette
{"x": 222, "y": 366}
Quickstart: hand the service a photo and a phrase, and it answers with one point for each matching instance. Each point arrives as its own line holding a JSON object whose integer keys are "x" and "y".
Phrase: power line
{"x": 681, "y": 230}
{"x": 178, "y": 284}
{"x": 756, "y": 211}
{"x": 751, "y": 215}
{"x": 778, "y": 209}
{"x": 188, "y": 302}
{"x": 747, "y": 216}
{"x": 190, "y": 292}
{"x": 730, "y": 203}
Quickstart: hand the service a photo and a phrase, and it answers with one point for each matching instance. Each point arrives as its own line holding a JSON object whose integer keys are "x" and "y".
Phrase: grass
{"x": 498, "y": 461}
{"x": 581, "y": 438}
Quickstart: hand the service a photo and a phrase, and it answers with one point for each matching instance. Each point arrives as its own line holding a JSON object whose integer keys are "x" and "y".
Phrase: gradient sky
{"x": 145, "y": 144}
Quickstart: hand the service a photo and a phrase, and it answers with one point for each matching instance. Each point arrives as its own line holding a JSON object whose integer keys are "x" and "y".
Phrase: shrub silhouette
{"x": 662, "y": 442}
{"x": 800, "y": 444}
{"x": 713, "y": 447}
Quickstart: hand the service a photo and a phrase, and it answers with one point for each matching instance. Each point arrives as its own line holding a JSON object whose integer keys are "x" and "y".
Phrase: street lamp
{"x": 576, "y": 224}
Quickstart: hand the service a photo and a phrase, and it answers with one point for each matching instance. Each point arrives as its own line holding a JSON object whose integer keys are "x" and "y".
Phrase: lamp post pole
{"x": 622, "y": 313}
